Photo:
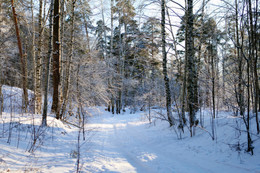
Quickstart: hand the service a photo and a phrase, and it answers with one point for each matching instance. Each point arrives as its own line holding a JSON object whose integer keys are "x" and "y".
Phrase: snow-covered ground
{"x": 124, "y": 143}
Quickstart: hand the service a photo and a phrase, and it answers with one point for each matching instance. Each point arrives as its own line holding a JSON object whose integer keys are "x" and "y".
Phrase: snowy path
{"x": 125, "y": 143}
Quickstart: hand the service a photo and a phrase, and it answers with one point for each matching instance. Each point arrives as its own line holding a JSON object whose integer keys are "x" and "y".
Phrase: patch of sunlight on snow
{"x": 113, "y": 165}
{"x": 146, "y": 157}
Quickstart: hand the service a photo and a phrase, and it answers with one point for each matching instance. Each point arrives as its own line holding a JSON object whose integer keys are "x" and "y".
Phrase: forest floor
{"x": 124, "y": 143}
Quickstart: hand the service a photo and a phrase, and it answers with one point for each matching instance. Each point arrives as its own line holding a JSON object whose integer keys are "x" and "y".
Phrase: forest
{"x": 188, "y": 63}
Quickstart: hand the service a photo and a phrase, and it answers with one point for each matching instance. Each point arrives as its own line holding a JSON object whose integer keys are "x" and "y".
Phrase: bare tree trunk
{"x": 184, "y": 83}
{"x": 47, "y": 72}
{"x": 166, "y": 78}
{"x": 62, "y": 61}
{"x": 33, "y": 53}
{"x": 182, "y": 119}
{"x": 240, "y": 69}
{"x": 213, "y": 80}
{"x": 23, "y": 67}
{"x": 119, "y": 69}
{"x": 191, "y": 67}
{"x": 69, "y": 62}
{"x": 110, "y": 79}
{"x": 249, "y": 140}
{"x": 111, "y": 56}
{"x": 38, "y": 64}
{"x": 56, "y": 59}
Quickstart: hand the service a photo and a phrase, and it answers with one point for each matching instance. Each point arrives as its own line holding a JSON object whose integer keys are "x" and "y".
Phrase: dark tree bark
{"x": 191, "y": 67}
{"x": 56, "y": 59}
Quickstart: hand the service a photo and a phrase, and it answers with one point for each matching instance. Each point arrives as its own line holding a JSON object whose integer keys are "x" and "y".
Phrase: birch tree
{"x": 166, "y": 78}
{"x": 38, "y": 63}
{"x": 47, "y": 71}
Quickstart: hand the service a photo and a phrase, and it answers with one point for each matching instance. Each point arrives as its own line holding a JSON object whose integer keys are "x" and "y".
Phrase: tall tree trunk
{"x": 191, "y": 67}
{"x": 110, "y": 80}
{"x": 213, "y": 80}
{"x": 1, "y": 71}
{"x": 22, "y": 58}
{"x": 254, "y": 58}
{"x": 182, "y": 119}
{"x": 33, "y": 53}
{"x": 38, "y": 64}
{"x": 62, "y": 61}
{"x": 240, "y": 69}
{"x": 249, "y": 140}
{"x": 166, "y": 78}
{"x": 69, "y": 62}
{"x": 56, "y": 59}
{"x": 184, "y": 82}
{"x": 47, "y": 71}
{"x": 119, "y": 69}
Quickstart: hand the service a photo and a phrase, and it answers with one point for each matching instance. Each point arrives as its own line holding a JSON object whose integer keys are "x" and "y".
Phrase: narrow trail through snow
{"x": 126, "y": 143}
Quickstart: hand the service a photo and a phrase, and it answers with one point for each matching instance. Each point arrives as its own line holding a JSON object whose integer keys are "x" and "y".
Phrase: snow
{"x": 124, "y": 143}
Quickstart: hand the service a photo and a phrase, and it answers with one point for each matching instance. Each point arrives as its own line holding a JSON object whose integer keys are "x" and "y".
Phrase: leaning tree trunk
{"x": 166, "y": 78}
{"x": 23, "y": 63}
{"x": 56, "y": 59}
{"x": 47, "y": 72}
